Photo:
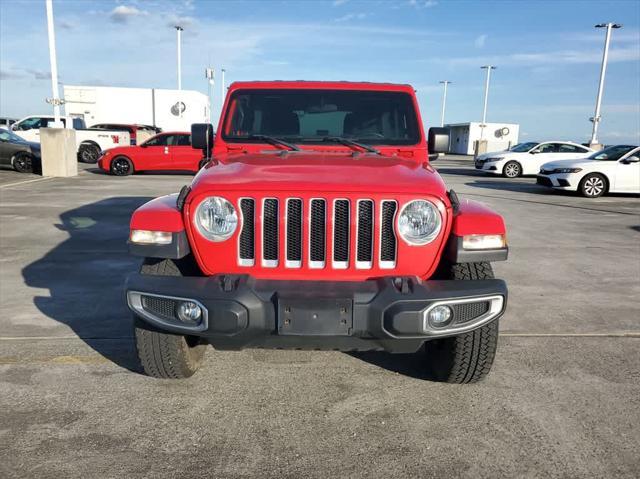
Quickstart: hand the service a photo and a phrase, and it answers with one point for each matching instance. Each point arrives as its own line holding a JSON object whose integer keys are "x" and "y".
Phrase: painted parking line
{"x": 24, "y": 182}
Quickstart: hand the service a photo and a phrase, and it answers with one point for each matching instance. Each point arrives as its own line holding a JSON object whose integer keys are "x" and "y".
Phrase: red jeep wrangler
{"x": 318, "y": 223}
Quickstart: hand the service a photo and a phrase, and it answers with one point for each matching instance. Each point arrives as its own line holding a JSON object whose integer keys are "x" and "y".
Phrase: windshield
{"x": 523, "y": 147}
{"x": 6, "y": 135}
{"x": 371, "y": 117}
{"x": 612, "y": 153}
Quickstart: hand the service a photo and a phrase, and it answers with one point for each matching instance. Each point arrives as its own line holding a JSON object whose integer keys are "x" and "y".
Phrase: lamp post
{"x": 222, "y": 89}
{"x": 603, "y": 69}
{"x": 179, "y": 31}
{"x": 210, "y": 75}
{"x": 486, "y": 97}
{"x": 444, "y": 100}
{"x": 54, "y": 65}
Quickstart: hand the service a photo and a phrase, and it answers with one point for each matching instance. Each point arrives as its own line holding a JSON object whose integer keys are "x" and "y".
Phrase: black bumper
{"x": 384, "y": 314}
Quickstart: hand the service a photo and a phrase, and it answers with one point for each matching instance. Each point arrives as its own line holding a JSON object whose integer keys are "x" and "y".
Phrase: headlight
{"x": 419, "y": 222}
{"x": 216, "y": 219}
{"x": 567, "y": 170}
{"x": 496, "y": 158}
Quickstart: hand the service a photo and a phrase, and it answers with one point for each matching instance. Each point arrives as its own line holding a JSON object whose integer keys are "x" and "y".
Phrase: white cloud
{"x": 337, "y": 3}
{"x": 122, "y": 13}
{"x": 351, "y": 16}
{"x": 423, "y": 3}
{"x": 481, "y": 40}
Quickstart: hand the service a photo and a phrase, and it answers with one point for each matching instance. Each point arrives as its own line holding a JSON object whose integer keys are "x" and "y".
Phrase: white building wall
{"x": 464, "y": 135}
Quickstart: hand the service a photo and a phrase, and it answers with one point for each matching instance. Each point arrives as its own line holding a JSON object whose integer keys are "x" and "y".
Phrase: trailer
{"x": 172, "y": 110}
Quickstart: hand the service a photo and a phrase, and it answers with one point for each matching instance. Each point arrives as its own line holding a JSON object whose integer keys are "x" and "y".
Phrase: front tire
{"x": 468, "y": 357}
{"x": 23, "y": 163}
{"x": 121, "y": 166}
{"x": 88, "y": 153}
{"x": 512, "y": 169}
{"x": 593, "y": 185}
{"x": 162, "y": 355}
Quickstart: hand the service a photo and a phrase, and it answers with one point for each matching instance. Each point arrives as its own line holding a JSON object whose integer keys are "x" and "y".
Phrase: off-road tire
{"x": 23, "y": 163}
{"x": 202, "y": 164}
{"x": 162, "y": 355}
{"x": 88, "y": 153}
{"x": 512, "y": 169}
{"x": 593, "y": 185}
{"x": 121, "y": 166}
{"x": 466, "y": 358}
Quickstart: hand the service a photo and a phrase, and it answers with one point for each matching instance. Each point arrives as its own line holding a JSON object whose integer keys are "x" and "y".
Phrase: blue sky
{"x": 547, "y": 52}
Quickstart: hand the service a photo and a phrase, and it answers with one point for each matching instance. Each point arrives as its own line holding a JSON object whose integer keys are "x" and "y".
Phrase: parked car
{"x": 6, "y": 122}
{"x": 90, "y": 142}
{"x": 527, "y": 158}
{"x": 137, "y": 133}
{"x": 169, "y": 151}
{"x": 319, "y": 224}
{"x": 615, "y": 169}
{"x": 22, "y": 155}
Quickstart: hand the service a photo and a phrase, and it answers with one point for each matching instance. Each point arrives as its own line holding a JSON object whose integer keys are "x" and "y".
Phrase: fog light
{"x": 189, "y": 312}
{"x": 440, "y": 316}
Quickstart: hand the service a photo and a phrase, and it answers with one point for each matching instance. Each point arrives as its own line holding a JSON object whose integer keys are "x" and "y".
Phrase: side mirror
{"x": 534, "y": 152}
{"x": 438, "y": 141}
{"x": 14, "y": 127}
{"x": 143, "y": 145}
{"x": 202, "y": 137}
{"x": 631, "y": 159}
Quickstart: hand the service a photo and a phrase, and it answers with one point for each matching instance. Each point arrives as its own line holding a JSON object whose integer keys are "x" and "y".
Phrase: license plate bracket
{"x": 315, "y": 317}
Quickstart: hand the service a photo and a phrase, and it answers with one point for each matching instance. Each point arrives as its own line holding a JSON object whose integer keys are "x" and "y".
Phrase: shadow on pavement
{"x": 84, "y": 276}
{"x": 459, "y": 171}
{"x": 513, "y": 185}
{"x": 411, "y": 365}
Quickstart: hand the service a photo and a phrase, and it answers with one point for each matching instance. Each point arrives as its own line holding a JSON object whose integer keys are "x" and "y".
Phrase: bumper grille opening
{"x": 387, "y": 235}
{"x": 163, "y": 307}
{"x": 317, "y": 233}
{"x": 294, "y": 232}
{"x": 464, "y": 312}
{"x": 270, "y": 232}
{"x": 341, "y": 233}
{"x": 364, "y": 254}
{"x": 247, "y": 235}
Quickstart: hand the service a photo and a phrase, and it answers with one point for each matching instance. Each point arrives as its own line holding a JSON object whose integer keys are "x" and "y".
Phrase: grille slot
{"x": 464, "y": 312}
{"x": 294, "y": 233}
{"x": 163, "y": 307}
{"x": 341, "y": 219}
{"x": 387, "y": 234}
{"x": 317, "y": 235}
{"x": 270, "y": 232}
{"x": 364, "y": 254}
{"x": 247, "y": 235}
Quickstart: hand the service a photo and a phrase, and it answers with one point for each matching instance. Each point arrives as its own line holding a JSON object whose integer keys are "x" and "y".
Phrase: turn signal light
{"x": 150, "y": 237}
{"x": 474, "y": 242}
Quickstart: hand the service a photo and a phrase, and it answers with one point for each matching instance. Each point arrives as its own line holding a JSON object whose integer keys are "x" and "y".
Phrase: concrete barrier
{"x": 59, "y": 152}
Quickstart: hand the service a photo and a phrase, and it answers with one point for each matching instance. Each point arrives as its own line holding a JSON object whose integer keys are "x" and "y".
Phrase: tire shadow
{"x": 85, "y": 274}
{"x": 412, "y": 365}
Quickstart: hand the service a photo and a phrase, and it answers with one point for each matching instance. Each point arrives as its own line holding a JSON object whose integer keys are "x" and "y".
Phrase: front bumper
{"x": 384, "y": 314}
{"x": 557, "y": 180}
{"x": 491, "y": 167}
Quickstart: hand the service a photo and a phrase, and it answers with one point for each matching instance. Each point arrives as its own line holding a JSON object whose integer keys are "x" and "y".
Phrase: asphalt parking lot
{"x": 563, "y": 399}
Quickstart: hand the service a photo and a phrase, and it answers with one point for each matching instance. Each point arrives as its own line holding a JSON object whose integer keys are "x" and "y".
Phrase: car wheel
{"x": 512, "y": 169}
{"x": 202, "y": 164}
{"x": 468, "y": 357}
{"x": 162, "y": 355}
{"x": 89, "y": 153}
{"x": 593, "y": 185}
{"x": 22, "y": 163}
{"x": 121, "y": 166}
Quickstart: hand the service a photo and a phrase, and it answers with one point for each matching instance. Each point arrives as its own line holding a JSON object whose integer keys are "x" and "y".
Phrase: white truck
{"x": 90, "y": 142}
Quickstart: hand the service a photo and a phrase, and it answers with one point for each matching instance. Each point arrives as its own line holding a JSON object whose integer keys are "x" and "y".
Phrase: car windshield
{"x": 311, "y": 116}
{"x": 612, "y": 153}
{"x": 523, "y": 147}
{"x": 6, "y": 135}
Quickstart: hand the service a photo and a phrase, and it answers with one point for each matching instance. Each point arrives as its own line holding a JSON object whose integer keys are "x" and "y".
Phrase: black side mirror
{"x": 631, "y": 159}
{"x": 202, "y": 137}
{"x": 438, "y": 141}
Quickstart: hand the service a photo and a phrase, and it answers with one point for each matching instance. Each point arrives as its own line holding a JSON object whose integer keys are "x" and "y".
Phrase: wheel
{"x": 88, "y": 153}
{"x": 202, "y": 164}
{"x": 22, "y": 163}
{"x": 163, "y": 355}
{"x": 593, "y": 185}
{"x": 466, "y": 358}
{"x": 121, "y": 166}
{"x": 512, "y": 169}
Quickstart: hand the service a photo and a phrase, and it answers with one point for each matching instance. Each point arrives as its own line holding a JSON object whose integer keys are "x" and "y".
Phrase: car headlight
{"x": 567, "y": 170}
{"x": 216, "y": 218}
{"x": 419, "y": 222}
{"x": 495, "y": 158}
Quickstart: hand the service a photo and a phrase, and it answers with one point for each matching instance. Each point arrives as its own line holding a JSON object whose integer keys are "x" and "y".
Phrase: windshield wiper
{"x": 351, "y": 143}
{"x": 275, "y": 141}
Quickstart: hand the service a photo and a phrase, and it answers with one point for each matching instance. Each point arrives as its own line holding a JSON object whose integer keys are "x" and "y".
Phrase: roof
{"x": 320, "y": 85}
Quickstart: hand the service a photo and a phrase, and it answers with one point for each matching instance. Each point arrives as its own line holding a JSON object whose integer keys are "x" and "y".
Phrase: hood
{"x": 319, "y": 171}
{"x": 484, "y": 156}
{"x": 582, "y": 163}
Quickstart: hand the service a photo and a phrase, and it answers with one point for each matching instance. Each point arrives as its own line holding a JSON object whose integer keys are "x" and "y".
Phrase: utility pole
{"x": 486, "y": 97}
{"x": 179, "y": 31}
{"x": 603, "y": 69}
{"x": 54, "y": 65}
{"x": 444, "y": 100}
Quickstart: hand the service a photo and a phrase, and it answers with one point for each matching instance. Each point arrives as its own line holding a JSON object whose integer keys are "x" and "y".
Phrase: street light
{"x": 486, "y": 97}
{"x": 605, "y": 55}
{"x": 222, "y": 87}
{"x": 56, "y": 101}
{"x": 444, "y": 100}
{"x": 179, "y": 31}
{"x": 210, "y": 75}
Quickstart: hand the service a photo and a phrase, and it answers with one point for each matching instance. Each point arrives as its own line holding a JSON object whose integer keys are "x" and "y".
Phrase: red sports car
{"x": 168, "y": 151}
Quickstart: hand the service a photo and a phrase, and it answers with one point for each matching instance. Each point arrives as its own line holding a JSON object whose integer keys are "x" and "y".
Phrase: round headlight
{"x": 216, "y": 219}
{"x": 419, "y": 222}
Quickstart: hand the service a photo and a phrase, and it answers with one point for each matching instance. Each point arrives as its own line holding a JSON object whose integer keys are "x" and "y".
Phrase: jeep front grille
{"x": 320, "y": 232}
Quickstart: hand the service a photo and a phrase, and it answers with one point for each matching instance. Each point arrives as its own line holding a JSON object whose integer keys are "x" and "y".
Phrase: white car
{"x": 615, "y": 169}
{"x": 90, "y": 142}
{"x": 527, "y": 158}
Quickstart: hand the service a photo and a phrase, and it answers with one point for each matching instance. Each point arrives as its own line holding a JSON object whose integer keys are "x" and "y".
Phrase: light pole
{"x": 605, "y": 55}
{"x": 210, "y": 75}
{"x": 179, "y": 31}
{"x": 486, "y": 97}
{"x": 444, "y": 100}
{"x": 222, "y": 87}
{"x": 54, "y": 65}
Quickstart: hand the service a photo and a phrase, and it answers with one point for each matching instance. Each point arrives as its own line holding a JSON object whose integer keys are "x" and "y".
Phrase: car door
{"x": 567, "y": 151}
{"x": 543, "y": 153}
{"x": 154, "y": 154}
{"x": 627, "y": 177}
{"x": 29, "y": 128}
{"x": 7, "y": 149}
{"x": 183, "y": 156}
